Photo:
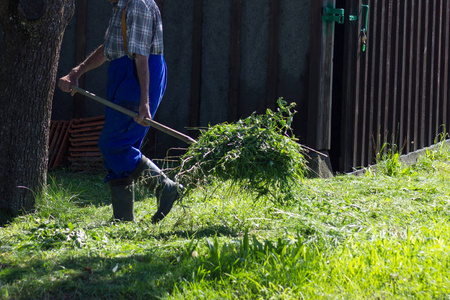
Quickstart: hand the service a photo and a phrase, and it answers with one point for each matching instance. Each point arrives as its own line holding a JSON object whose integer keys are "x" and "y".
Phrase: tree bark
{"x": 32, "y": 36}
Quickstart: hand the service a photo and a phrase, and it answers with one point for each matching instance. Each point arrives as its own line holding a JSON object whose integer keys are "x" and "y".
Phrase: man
{"x": 136, "y": 80}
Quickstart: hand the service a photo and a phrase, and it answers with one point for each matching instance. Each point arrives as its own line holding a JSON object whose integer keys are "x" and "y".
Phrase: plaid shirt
{"x": 144, "y": 30}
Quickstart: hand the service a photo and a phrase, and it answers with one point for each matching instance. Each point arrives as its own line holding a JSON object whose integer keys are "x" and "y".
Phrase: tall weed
{"x": 388, "y": 160}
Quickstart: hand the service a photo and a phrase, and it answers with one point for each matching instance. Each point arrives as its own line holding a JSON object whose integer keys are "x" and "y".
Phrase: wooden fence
{"x": 396, "y": 91}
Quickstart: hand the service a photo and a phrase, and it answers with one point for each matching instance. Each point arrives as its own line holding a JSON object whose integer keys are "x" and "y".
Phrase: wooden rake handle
{"x": 182, "y": 137}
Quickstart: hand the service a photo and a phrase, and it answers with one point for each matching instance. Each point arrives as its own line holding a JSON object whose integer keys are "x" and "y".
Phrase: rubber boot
{"x": 165, "y": 190}
{"x": 122, "y": 198}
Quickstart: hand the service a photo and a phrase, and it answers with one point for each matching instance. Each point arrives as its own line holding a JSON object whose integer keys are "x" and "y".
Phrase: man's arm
{"x": 96, "y": 59}
{"x": 144, "y": 81}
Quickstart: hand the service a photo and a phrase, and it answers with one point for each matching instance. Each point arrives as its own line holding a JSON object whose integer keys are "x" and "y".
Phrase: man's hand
{"x": 94, "y": 60}
{"x": 144, "y": 112}
{"x": 65, "y": 83}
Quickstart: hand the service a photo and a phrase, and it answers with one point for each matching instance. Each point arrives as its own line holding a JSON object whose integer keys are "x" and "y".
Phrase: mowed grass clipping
{"x": 384, "y": 235}
{"x": 259, "y": 151}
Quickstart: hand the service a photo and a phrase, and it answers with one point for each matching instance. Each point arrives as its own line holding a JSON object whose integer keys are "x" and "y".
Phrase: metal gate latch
{"x": 337, "y": 15}
{"x": 334, "y": 15}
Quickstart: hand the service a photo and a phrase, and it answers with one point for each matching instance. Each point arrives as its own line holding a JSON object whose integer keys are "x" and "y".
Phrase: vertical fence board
{"x": 320, "y": 78}
{"x": 438, "y": 62}
{"x": 365, "y": 105}
{"x": 272, "y": 78}
{"x": 372, "y": 33}
{"x": 433, "y": 87}
{"x": 425, "y": 50}
{"x": 386, "y": 83}
{"x": 395, "y": 54}
{"x": 196, "y": 76}
{"x": 445, "y": 69}
{"x": 417, "y": 76}
{"x": 78, "y": 99}
{"x": 378, "y": 73}
{"x": 402, "y": 72}
{"x": 235, "y": 59}
{"x": 351, "y": 87}
{"x": 410, "y": 17}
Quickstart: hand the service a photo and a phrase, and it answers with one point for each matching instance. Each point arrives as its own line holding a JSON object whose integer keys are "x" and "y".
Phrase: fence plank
{"x": 396, "y": 55}
{"x": 196, "y": 78}
{"x": 440, "y": 21}
{"x": 425, "y": 50}
{"x": 403, "y": 36}
{"x": 373, "y": 46}
{"x": 320, "y": 78}
{"x": 445, "y": 69}
{"x": 351, "y": 79}
{"x": 235, "y": 60}
{"x": 81, "y": 24}
{"x": 272, "y": 72}
{"x": 410, "y": 75}
{"x": 433, "y": 88}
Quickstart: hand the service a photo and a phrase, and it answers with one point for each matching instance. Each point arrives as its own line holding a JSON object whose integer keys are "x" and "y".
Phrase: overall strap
{"x": 124, "y": 28}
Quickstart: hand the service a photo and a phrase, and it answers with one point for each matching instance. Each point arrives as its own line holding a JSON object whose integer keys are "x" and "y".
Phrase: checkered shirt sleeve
{"x": 144, "y": 30}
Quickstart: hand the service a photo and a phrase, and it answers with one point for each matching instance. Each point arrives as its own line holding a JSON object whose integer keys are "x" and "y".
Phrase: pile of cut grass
{"x": 259, "y": 152}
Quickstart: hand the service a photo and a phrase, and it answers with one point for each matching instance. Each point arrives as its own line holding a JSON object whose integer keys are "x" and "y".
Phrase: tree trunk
{"x": 32, "y": 36}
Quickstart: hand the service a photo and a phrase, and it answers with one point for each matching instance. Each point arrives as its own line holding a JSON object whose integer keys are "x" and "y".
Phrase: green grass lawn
{"x": 384, "y": 235}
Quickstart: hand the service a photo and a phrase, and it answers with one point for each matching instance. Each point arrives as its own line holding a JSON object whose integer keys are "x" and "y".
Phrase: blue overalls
{"x": 121, "y": 137}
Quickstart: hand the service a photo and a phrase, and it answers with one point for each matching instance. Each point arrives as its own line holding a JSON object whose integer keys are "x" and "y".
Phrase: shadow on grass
{"x": 210, "y": 231}
{"x": 150, "y": 274}
{"x": 146, "y": 231}
{"x": 142, "y": 276}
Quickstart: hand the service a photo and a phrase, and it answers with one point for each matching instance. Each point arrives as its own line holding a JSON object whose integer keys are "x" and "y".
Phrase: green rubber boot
{"x": 165, "y": 190}
{"x": 122, "y": 198}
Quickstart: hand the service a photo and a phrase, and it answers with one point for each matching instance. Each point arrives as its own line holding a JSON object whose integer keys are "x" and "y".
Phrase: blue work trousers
{"x": 121, "y": 137}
